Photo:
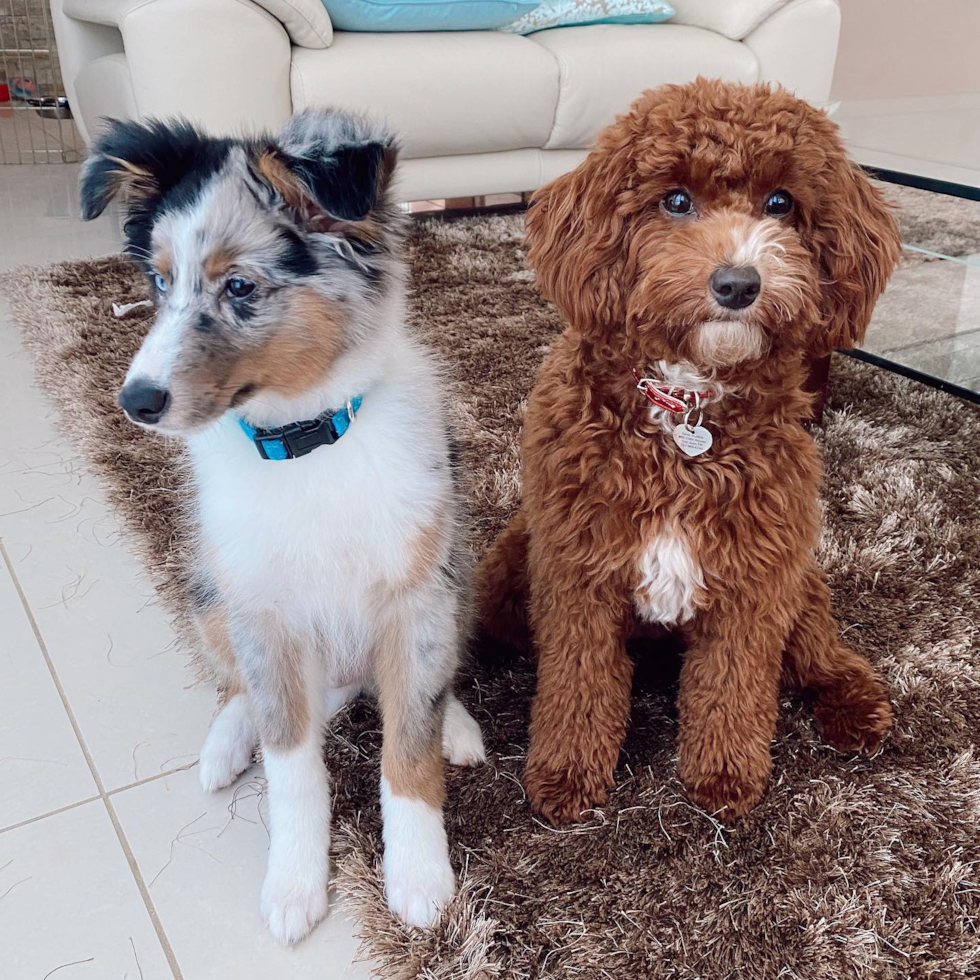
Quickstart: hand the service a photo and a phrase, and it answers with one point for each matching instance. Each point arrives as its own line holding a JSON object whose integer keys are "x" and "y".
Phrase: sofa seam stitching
{"x": 309, "y": 23}
{"x": 293, "y": 70}
{"x": 560, "y": 63}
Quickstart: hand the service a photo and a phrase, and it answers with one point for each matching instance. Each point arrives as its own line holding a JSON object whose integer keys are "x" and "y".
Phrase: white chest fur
{"x": 314, "y": 538}
{"x": 670, "y": 580}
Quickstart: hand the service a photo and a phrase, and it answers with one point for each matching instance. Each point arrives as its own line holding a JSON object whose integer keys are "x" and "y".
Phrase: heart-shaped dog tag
{"x": 693, "y": 439}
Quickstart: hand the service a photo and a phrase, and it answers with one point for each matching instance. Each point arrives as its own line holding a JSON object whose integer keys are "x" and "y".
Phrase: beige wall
{"x": 896, "y": 48}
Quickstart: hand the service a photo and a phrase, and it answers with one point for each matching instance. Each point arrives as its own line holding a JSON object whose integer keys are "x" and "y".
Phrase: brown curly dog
{"x": 715, "y": 240}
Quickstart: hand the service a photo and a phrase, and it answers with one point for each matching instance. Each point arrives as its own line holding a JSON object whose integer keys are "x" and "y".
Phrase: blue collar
{"x": 300, "y": 438}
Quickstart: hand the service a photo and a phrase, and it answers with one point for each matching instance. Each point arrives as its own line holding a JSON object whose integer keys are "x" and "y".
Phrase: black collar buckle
{"x": 298, "y": 438}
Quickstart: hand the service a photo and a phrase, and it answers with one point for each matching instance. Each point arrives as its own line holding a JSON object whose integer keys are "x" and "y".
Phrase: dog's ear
{"x": 857, "y": 243}
{"x": 140, "y": 160}
{"x": 576, "y": 241}
{"x": 329, "y": 167}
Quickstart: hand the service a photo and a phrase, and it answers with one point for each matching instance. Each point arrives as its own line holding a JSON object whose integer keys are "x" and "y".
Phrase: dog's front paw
{"x": 854, "y": 717}
{"x": 726, "y": 796}
{"x": 294, "y": 900}
{"x": 419, "y": 881}
{"x": 417, "y": 890}
{"x": 560, "y": 794}
{"x": 227, "y": 751}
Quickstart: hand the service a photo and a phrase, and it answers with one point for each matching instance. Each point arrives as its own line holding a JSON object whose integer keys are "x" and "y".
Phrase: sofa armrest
{"x": 223, "y": 64}
{"x": 794, "y": 41}
{"x": 79, "y": 44}
{"x": 305, "y": 21}
{"x": 797, "y": 46}
{"x": 732, "y": 18}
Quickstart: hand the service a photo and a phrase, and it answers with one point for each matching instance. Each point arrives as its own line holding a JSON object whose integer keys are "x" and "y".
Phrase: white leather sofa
{"x": 477, "y": 112}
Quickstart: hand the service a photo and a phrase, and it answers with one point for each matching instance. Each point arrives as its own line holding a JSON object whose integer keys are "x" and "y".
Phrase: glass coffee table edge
{"x": 967, "y": 394}
{"x": 936, "y": 186}
{"x": 922, "y": 183}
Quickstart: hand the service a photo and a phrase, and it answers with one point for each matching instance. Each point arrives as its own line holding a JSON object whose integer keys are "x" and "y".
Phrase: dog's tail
{"x": 502, "y": 584}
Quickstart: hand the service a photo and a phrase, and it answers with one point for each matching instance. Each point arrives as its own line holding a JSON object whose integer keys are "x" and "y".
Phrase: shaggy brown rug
{"x": 849, "y": 867}
{"x": 936, "y": 222}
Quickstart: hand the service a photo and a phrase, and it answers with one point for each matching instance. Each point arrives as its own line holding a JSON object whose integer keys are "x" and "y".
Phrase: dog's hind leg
{"x": 231, "y": 742}
{"x": 415, "y": 662}
{"x": 228, "y": 750}
{"x": 462, "y": 741}
{"x": 502, "y": 585}
{"x": 851, "y": 705}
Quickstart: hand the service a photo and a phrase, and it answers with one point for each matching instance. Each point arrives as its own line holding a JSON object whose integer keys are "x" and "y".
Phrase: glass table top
{"x": 928, "y": 319}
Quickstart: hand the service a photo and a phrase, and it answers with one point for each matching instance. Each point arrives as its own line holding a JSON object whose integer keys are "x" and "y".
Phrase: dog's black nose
{"x": 143, "y": 401}
{"x": 735, "y": 287}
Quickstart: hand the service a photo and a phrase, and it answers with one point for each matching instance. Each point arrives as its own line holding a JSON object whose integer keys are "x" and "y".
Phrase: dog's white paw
{"x": 417, "y": 891}
{"x": 294, "y": 900}
{"x": 228, "y": 749}
{"x": 419, "y": 880}
{"x": 462, "y": 741}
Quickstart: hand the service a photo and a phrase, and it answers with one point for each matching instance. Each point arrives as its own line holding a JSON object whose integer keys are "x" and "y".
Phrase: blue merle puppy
{"x": 327, "y": 546}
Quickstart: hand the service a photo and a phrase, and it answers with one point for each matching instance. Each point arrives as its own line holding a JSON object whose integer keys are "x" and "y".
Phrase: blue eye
{"x": 160, "y": 282}
{"x": 239, "y": 288}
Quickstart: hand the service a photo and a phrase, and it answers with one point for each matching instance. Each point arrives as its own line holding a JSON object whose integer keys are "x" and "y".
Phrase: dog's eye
{"x": 678, "y": 202}
{"x": 160, "y": 282}
{"x": 779, "y": 204}
{"x": 238, "y": 287}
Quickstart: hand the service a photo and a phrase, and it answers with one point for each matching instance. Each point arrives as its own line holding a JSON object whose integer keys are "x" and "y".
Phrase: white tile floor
{"x": 113, "y": 863}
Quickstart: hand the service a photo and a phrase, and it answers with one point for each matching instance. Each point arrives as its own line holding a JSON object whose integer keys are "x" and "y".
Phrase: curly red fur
{"x": 602, "y": 478}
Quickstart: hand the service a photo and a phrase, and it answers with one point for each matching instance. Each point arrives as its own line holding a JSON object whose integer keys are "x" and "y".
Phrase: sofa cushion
{"x": 733, "y": 18}
{"x": 603, "y": 69}
{"x": 570, "y": 13}
{"x": 441, "y": 93}
{"x": 425, "y": 15}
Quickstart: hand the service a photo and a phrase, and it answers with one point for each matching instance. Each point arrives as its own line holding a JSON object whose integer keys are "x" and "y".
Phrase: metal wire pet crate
{"x": 35, "y": 118}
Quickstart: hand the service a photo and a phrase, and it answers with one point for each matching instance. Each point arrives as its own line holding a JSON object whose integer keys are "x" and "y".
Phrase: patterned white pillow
{"x": 567, "y": 13}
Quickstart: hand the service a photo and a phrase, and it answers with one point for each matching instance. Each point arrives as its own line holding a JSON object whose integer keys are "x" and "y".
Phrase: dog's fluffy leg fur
{"x": 851, "y": 705}
{"x": 418, "y": 629}
{"x": 579, "y": 715}
{"x": 501, "y": 585}
{"x": 229, "y": 746}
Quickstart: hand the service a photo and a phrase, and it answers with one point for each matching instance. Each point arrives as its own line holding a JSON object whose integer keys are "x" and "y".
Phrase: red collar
{"x": 668, "y": 397}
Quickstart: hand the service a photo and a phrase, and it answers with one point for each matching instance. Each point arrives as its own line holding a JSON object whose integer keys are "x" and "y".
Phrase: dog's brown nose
{"x": 735, "y": 287}
{"x": 143, "y": 401}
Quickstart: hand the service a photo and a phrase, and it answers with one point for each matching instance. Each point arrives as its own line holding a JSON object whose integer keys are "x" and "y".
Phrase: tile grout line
{"x": 151, "y": 779}
{"x": 123, "y": 842}
{"x": 49, "y": 813}
{"x": 92, "y": 799}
